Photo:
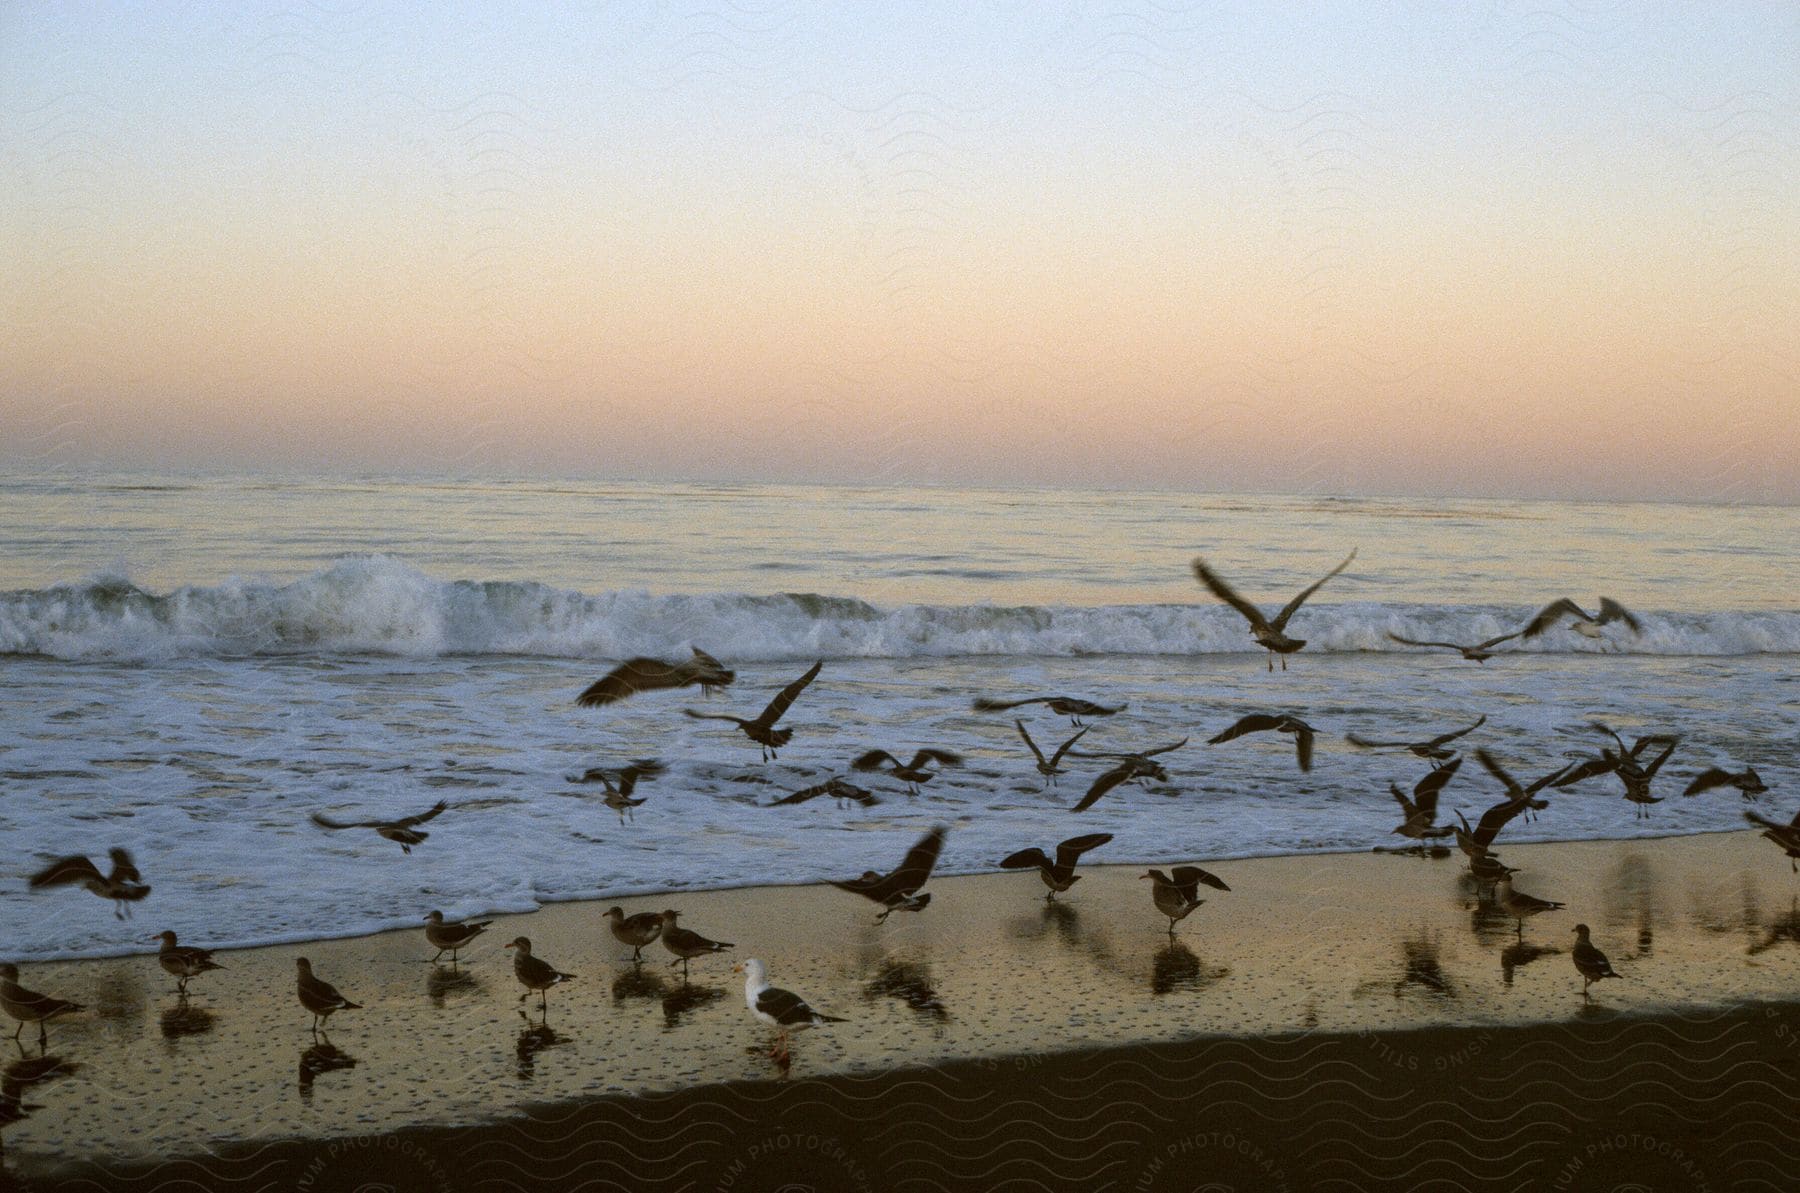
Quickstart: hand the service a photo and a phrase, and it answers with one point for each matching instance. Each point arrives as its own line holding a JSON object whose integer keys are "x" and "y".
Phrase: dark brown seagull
{"x": 761, "y": 729}
{"x": 1586, "y": 624}
{"x": 1069, "y": 706}
{"x": 402, "y": 832}
{"x": 1052, "y": 766}
{"x": 648, "y": 675}
{"x": 123, "y": 884}
{"x": 1748, "y": 782}
{"x": 448, "y": 936}
{"x": 911, "y": 773}
{"x": 1481, "y": 652}
{"x": 1268, "y": 632}
{"x": 1058, "y": 875}
{"x": 898, "y": 890}
{"x": 1131, "y": 768}
{"x": 1177, "y": 894}
{"x": 1432, "y": 750}
{"x": 618, "y": 795}
{"x": 1421, "y": 810}
{"x": 1258, "y": 722}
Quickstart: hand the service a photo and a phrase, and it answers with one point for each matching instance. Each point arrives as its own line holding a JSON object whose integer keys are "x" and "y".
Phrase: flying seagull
{"x": 1748, "y": 782}
{"x": 1052, "y": 766}
{"x": 761, "y": 729}
{"x": 898, "y": 890}
{"x": 1586, "y": 624}
{"x": 1481, "y": 652}
{"x": 912, "y": 773}
{"x": 1431, "y": 750}
{"x": 648, "y": 675}
{"x": 1071, "y": 707}
{"x": 123, "y": 884}
{"x": 1131, "y": 767}
{"x": 1058, "y": 875}
{"x": 837, "y": 789}
{"x": 1268, "y": 632}
{"x": 1421, "y": 810}
{"x": 402, "y": 831}
{"x": 1257, "y": 722}
{"x": 618, "y": 797}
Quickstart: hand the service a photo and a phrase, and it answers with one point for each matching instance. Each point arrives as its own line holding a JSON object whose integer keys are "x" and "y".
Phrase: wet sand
{"x": 1331, "y": 1021}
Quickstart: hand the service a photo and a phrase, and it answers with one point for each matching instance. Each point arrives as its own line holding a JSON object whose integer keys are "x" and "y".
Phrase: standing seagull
{"x": 1268, "y": 632}
{"x": 319, "y": 996}
{"x": 635, "y": 930}
{"x": 1071, "y": 707}
{"x": 648, "y": 675}
{"x": 28, "y": 1006}
{"x": 687, "y": 944}
{"x": 1175, "y": 896}
{"x": 1058, "y": 875}
{"x": 1519, "y": 905}
{"x": 1421, "y": 810}
{"x": 1052, "y": 766}
{"x": 1432, "y": 749}
{"x": 1257, "y": 722}
{"x": 124, "y": 885}
{"x": 452, "y": 936}
{"x": 783, "y": 1010}
{"x": 183, "y": 961}
{"x": 1590, "y": 962}
{"x": 898, "y": 890}
{"x": 761, "y": 729}
{"x": 534, "y": 973}
{"x": 402, "y": 832}
{"x": 912, "y": 773}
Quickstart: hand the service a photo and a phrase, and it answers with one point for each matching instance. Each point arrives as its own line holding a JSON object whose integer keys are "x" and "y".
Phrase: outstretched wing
{"x": 714, "y": 716}
{"x": 1493, "y": 767}
{"x": 422, "y": 817}
{"x": 1062, "y": 749}
{"x": 642, "y": 768}
{"x": 1287, "y": 610}
{"x": 1105, "y": 783}
{"x": 1256, "y": 722}
{"x": 906, "y": 878}
{"x": 1366, "y": 744}
{"x": 1580, "y": 771}
{"x": 1161, "y": 749}
{"x": 631, "y": 677}
{"x": 1611, "y": 610}
{"x": 1427, "y": 790}
{"x": 984, "y": 704}
{"x": 1707, "y": 779}
{"x": 1032, "y": 746}
{"x": 67, "y": 871}
{"x": 872, "y": 760}
{"x": 1303, "y": 743}
{"x": 941, "y": 757}
{"x": 1479, "y": 722}
{"x": 1498, "y": 641}
{"x": 323, "y": 821}
{"x": 1650, "y": 771}
{"x": 1026, "y": 859}
{"x": 785, "y": 698}
{"x": 1422, "y": 642}
{"x": 1071, "y": 850}
{"x": 1224, "y": 592}
{"x": 1550, "y": 614}
{"x": 800, "y": 797}
{"x": 1188, "y": 877}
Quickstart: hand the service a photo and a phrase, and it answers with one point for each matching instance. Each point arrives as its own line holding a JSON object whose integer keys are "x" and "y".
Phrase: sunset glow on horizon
{"x": 1530, "y": 251}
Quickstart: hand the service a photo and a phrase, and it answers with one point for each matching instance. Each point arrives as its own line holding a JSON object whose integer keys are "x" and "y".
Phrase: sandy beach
{"x": 1337, "y": 1019}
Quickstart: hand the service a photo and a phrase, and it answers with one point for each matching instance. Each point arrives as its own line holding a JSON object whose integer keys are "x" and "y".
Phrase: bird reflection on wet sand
{"x": 1177, "y": 967}
{"x": 910, "y": 982}
{"x": 639, "y": 983}
{"x": 185, "y": 1019}
{"x": 533, "y": 1039}
{"x": 685, "y": 998}
{"x": 21, "y": 1075}
{"x": 321, "y": 1058}
{"x": 1422, "y": 968}
{"x": 1522, "y": 953}
{"x": 446, "y": 980}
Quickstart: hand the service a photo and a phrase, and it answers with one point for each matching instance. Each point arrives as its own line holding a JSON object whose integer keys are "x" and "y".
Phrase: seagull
{"x": 1268, "y": 632}
{"x": 319, "y": 996}
{"x": 1051, "y": 767}
{"x": 1176, "y": 896}
{"x": 1590, "y": 962}
{"x": 762, "y": 729}
{"x": 1518, "y": 799}
{"x": 28, "y": 1006}
{"x": 183, "y": 961}
{"x": 124, "y": 885}
{"x": 687, "y": 944}
{"x": 1584, "y": 624}
{"x": 837, "y": 789}
{"x": 636, "y": 930}
{"x": 898, "y": 890}
{"x": 1785, "y": 835}
{"x": 1256, "y": 722}
{"x": 1432, "y": 750}
{"x": 1481, "y": 652}
{"x": 1069, "y": 706}
{"x": 400, "y": 831}
{"x": 1141, "y": 765}
{"x": 1519, "y": 905}
{"x": 1748, "y": 782}
{"x": 1421, "y": 810}
{"x": 783, "y": 1010}
{"x": 618, "y": 797}
{"x": 914, "y": 772}
{"x": 1624, "y": 763}
{"x": 534, "y": 973}
{"x": 648, "y": 675}
{"x": 452, "y": 936}
{"x": 1058, "y": 875}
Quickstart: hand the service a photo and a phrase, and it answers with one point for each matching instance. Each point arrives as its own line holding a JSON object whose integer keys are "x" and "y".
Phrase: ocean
{"x": 190, "y": 666}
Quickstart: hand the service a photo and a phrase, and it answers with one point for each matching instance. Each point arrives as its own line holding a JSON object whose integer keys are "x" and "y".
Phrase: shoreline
{"x": 989, "y": 981}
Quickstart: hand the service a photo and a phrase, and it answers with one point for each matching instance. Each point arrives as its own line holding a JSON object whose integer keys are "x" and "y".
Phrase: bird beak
{"x": 506, "y": 946}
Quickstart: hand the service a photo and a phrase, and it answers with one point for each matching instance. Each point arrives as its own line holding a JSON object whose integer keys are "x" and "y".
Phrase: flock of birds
{"x": 1174, "y": 895}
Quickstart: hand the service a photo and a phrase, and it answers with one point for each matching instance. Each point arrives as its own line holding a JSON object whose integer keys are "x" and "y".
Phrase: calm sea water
{"x": 190, "y": 666}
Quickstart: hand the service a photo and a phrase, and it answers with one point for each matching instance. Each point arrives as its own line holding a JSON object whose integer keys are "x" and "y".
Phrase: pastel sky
{"x": 1528, "y": 248}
